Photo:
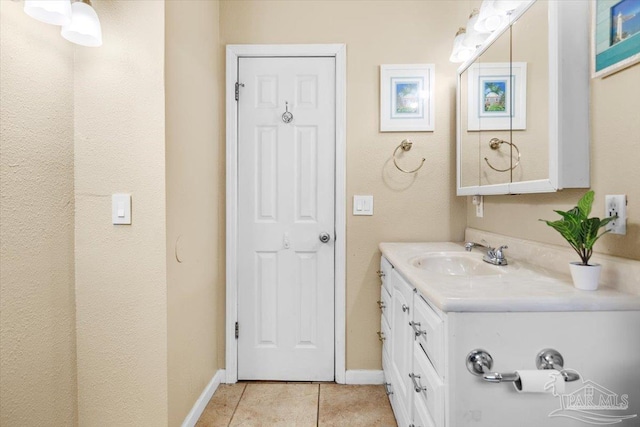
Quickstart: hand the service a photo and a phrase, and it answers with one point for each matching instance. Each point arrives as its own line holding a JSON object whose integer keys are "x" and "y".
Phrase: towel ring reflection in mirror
{"x": 495, "y": 144}
{"x": 406, "y": 146}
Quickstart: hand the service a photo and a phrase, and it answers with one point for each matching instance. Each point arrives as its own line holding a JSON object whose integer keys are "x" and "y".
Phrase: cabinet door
{"x": 401, "y": 341}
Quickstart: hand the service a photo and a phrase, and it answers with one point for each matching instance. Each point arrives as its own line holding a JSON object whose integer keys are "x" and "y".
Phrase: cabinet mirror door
{"x": 530, "y": 57}
{"x": 469, "y": 141}
{"x": 483, "y": 117}
{"x": 489, "y": 111}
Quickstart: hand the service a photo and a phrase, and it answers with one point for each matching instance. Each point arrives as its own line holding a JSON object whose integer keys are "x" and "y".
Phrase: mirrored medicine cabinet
{"x": 523, "y": 104}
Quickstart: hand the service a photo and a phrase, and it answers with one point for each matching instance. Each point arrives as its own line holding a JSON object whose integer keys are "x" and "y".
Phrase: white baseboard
{"x": 361, "y": 376}
{"x": 205, "y": 397}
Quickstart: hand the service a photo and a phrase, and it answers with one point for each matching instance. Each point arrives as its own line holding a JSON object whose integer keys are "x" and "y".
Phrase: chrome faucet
{"x": 470, "y": 245}
{"x": 493, "y": 256}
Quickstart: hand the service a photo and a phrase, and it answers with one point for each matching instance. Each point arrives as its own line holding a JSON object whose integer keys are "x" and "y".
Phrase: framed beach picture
{"x": 406, "y": 97}
{"x": 497, "y": 96}
{"x": 615, "y": 35}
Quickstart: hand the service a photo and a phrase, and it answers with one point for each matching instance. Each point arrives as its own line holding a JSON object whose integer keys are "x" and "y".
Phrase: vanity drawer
{"x": 429, "y": 333}
{"x": 384, "y": 273}
{"x": 429, "y": 397}
{"x": 385, "y": 306}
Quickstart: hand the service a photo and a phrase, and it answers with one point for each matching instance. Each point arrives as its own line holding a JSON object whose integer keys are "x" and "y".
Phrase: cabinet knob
{"x": 381, "y": 305}
{"x": 405, "y": 308}
{"x": 381, "y": 336}
{"x": 380, "y": 273}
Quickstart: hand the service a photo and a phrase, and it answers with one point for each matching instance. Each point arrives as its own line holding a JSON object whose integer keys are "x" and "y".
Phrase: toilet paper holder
{"x": 480, "y": 362}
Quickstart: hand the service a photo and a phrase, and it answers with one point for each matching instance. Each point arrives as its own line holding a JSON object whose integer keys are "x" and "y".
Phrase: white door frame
{"x": 339, "y": 52}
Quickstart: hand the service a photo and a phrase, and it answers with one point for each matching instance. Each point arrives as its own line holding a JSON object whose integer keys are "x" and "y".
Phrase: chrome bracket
{"x": 479, "y": 361}
{"x": 552, "y": 359}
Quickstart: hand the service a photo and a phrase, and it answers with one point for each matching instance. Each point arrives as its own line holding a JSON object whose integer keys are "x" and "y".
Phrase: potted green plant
{"x": 581, "y": 232}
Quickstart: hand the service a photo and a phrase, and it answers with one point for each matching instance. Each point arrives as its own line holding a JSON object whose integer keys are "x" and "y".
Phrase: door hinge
{"x": 238, "y": 90}
{"x": 237, "y": 331}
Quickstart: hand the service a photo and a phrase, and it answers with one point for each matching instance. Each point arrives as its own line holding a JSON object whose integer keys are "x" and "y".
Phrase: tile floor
{"x": 298, "y": 404}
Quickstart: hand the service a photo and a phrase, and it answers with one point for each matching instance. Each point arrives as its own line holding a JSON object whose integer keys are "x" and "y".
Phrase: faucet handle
{"x": 498, "y": 252}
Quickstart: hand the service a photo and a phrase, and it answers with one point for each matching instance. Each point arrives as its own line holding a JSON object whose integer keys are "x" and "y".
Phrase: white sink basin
{"x": 457, "y": 264}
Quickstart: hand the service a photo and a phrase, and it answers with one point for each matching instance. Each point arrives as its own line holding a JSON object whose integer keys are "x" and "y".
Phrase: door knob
{"x": 324, "y": 237}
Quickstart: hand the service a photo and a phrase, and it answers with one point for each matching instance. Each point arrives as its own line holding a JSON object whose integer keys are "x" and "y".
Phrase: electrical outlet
{"x": 479, "y": 203}
{"x": 616, "y": 205}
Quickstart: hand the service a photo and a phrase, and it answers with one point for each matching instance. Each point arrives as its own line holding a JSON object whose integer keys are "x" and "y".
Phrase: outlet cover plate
{"x": 616, "y": 205}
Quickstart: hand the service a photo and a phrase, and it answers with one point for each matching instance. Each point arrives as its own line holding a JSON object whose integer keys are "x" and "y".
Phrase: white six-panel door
{"x": 286, "y": 196}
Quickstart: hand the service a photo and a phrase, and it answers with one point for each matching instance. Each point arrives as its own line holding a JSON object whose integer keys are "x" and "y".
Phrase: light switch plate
{"x": 121, "y": 208}
{"x": 362, "y": 205}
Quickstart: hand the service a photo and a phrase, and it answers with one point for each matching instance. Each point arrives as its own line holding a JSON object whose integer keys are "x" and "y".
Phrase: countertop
{"x": 523, "y": 287}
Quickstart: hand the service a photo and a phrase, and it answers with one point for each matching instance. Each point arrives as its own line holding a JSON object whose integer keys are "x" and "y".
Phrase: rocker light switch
{"x": 363, "y": 205}
{"x": 121, "y": 208}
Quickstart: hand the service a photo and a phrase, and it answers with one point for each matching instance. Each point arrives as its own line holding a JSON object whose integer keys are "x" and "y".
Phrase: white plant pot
{"x": 585, "y": 277}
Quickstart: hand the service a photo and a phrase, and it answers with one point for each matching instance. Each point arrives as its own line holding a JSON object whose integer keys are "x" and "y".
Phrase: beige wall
{"x": 121, "y": 289}
{"x": 194, "y": 168}
{"x": 37, "y": 314}
{"x": 409, "y": 208}
{"x": 615, "y": 155}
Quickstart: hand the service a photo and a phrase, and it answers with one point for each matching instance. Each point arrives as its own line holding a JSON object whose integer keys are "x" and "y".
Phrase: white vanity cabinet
{"x": 425, "y": 350}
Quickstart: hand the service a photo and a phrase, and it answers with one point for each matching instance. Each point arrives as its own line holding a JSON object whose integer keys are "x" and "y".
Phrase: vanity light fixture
{"x": 490, "y": 18}
{"x": 84, "y": 28}
{"x": 507, "y": 6}
{"x": 474, "y": 38}
{"x": 460, "y": 53}
{"x": 54, "y": 12}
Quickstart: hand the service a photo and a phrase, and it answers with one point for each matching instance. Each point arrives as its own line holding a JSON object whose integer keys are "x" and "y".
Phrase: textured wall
{"x": 615, "y": 153}
{"x": 37, "y": 304}
{"x": 194, "y": 168}
{"x": 121, "y": 289}
{"x": 422, "y": 207}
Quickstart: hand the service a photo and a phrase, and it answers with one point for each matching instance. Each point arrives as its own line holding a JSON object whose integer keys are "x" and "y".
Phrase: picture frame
{"x": 407, "y": 98}
{"x": 497, "y": 96}
{"x": 615, "y": 36}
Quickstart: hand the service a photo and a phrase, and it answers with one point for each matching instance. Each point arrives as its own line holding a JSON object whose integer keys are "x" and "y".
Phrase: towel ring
{"x": 495, "y": 145}
{"x": 406, "y": 146}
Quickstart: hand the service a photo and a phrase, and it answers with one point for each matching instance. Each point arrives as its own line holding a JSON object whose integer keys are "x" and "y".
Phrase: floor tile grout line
{"x": 318, "y": 411}
{"x": 237, "y": 404}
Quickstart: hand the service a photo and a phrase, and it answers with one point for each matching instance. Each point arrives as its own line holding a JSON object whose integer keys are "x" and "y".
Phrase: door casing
{"x": 233, "y": 52}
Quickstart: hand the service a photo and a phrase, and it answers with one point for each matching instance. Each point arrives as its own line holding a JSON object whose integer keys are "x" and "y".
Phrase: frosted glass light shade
{"x": 473, "y": 38}
{"x": 459, "y": 53}
{"x": 84, "y": 28}
{"x": 490, "y": 19}
{"x": 55, "y": 12}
